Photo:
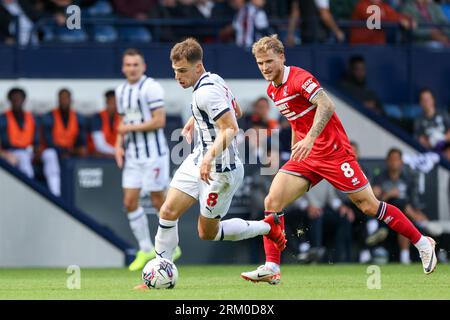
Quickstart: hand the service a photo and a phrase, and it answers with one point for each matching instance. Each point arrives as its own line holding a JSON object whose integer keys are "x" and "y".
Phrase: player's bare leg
{"x": 366, "y": 201}
{"x": 157, "y": 199}
{"x": 279, "y": 197}
{"x": 139, "y": 226}
{"x": 236, "y": 229}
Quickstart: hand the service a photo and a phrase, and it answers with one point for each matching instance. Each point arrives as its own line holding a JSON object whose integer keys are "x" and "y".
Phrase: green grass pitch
{"x": 223, "y": 282}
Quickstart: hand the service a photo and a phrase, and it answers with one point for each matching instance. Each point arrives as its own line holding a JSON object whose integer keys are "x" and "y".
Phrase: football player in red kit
{"x": 320, "y": 150}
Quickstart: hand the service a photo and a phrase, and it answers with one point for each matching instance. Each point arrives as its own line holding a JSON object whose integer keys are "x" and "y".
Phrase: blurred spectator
{"x": 259, "y": 115}
{"x": 18, "y": 133}
{"x": 104, "y": 126}
{"x": 316, "y": 22}
{"x": 136, "y": 9}
{"x": 57, "y": 9}
{"x": 251, "y": 23}
{"x": 433, "y": 128}
{"x": 446, "y": 155}
{"x": 425, "y": 11}
{"x": 64, "y": 137}
{"x": 226, "y": 10}
{"x": 397, "y": 186}
{"x": 26, "y": 15}
{"x": 354, "y": 84}
{"x": 204, "y": 8}
{"x": 285, "y": 139}
{"x": 342, "y": 9}
{"x": 364, "y": 35}
{"x": 327, "y": 215}
{"x": 261, "y": 184}
{"x": 166, "y": 9}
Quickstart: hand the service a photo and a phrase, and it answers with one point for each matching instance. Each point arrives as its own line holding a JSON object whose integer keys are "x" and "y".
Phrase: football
{"x": 160, "y": 273}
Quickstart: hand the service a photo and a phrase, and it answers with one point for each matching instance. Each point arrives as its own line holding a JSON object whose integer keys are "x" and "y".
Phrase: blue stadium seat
{"x": 103, "y": 33}
{"x": 412, "y": 111}
{"x": 446, "y": 8}
{"x": 135, "y": 34}
{"x": 70, "y": 36}
{"x": 100, "y": 8}
{"x": 393, "y": 111}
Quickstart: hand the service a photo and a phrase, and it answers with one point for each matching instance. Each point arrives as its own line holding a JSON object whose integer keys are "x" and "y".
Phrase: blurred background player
{"x": 104, "y": 127}
{"x": 64, "y": 137}
{"x": 320, "y": 150}
{"x": 141, "y": 149}
{"x": 396, "y": 185}
{"x": 432, "y": 128}
{"x": 18, "y": 133}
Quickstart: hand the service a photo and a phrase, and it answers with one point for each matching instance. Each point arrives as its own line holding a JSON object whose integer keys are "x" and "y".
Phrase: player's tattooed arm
{"x": 324, "y": 111}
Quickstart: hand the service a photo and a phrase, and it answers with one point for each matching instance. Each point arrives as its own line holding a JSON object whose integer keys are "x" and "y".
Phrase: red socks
{"x": 270, "y": 249}
{"x": 398, "y": 222}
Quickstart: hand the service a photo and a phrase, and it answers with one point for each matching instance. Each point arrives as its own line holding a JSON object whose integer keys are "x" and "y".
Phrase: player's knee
{"x": 271, "y": 203}
{"x": 167, "y": 212}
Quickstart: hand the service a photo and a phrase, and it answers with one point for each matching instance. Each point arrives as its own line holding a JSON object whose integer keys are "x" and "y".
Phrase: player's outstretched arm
{"x": 228, "y": 129}
{"x": 324, "y": 112}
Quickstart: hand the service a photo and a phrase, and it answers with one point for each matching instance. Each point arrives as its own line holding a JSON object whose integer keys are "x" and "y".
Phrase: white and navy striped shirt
{"x": 210, "y": 100}
{"x": 135, "y": 103}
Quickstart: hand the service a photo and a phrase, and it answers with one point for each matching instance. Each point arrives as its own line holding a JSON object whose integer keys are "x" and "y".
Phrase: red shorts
{"x": 344, "y": 172}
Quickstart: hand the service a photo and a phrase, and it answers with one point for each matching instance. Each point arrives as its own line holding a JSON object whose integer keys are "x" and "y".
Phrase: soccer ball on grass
{"x": 160, "y": 273}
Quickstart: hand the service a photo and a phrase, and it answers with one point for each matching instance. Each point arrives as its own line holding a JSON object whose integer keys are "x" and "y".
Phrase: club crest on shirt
{"x": 285, "y": 93}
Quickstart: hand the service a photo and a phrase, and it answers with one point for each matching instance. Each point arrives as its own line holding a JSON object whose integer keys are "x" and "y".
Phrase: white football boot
{"x": 428, "y": 257}
{"x": 262, "y": 274}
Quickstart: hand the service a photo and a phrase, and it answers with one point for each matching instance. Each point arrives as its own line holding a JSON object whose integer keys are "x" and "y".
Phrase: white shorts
{"x": 215, "y": 198}
{"x": 151, "y": 175}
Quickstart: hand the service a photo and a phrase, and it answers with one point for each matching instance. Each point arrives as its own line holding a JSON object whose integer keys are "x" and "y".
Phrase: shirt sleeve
{"x": 119, "y": 98}
{"x": 154, "y": 96}
{"x": 322, "y": 4}
{"x": 308, "y": 86}
{"x": 211, "y": 100}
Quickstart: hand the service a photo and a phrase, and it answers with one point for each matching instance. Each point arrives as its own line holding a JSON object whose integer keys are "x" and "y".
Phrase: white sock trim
{"x": 133, "y": 215}
{"x": 167, "y": 223}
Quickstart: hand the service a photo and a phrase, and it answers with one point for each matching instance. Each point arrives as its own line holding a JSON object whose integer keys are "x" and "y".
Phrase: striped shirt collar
{"x": 138, "y": 83}
{"x": 203, "y": 76}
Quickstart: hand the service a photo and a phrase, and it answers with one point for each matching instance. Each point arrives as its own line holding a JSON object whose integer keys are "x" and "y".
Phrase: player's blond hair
{"x": 268, "y": 43}
{"x": 188, "y": 49}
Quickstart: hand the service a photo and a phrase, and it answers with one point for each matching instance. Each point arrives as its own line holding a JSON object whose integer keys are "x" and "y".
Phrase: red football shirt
{"x": 293, "y": 98}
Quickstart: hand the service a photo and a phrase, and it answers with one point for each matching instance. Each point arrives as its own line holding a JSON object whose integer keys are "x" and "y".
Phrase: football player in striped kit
{"x": 212, "y": 173}
{"x": 141, "y": 149}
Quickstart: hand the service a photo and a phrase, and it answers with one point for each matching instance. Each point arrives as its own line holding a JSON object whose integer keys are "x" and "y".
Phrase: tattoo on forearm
{"x": 323, "y": 114}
